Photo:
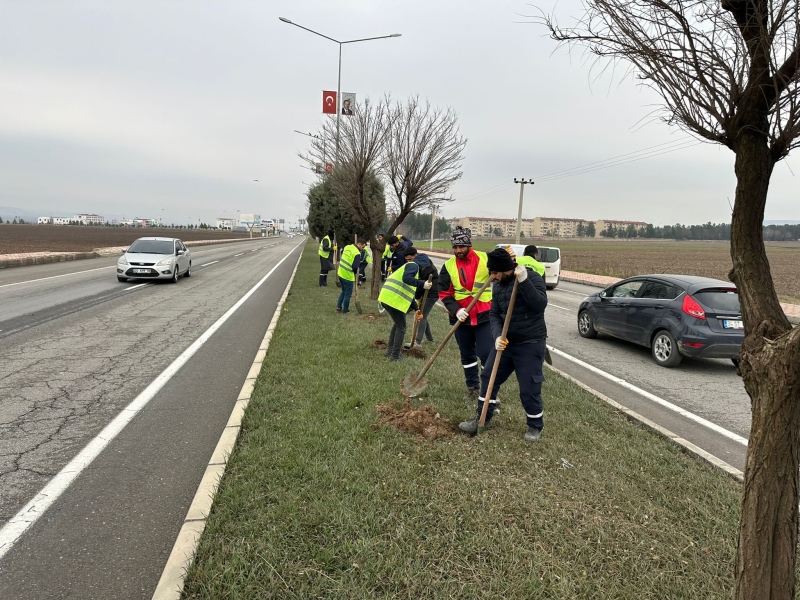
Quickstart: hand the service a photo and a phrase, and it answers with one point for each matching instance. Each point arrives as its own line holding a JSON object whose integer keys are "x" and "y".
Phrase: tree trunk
{"x": 375, "y": 284}
{"x": 770, "y": 368}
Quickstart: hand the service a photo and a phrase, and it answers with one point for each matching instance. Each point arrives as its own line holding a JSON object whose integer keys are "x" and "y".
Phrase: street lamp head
{"x": 396, "y": 35}
{"x": 285, "y": 20}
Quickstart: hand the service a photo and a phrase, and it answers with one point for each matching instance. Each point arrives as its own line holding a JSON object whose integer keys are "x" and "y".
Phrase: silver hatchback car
{"x": 155, "y": 258}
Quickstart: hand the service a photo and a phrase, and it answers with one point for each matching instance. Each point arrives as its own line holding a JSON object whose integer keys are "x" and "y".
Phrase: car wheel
{"x": 586, "y": 325}
{"x": 188, "y": 271}
{"x": 175, "y": 275}
{"x": 122, "y": 279}
{"x": 665, "y": 350}
{"x": 735, "y": 362}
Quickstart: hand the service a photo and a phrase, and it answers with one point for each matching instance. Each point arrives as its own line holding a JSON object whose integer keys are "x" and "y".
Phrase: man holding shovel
{"x": 348, "y": 268}
{"x": 397, "y": 297}
{"x": 523, "y": 348}
{"x": 461, "y": 277}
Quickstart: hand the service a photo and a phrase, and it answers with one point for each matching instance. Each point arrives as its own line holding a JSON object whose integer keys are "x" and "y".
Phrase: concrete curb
{"x": 170, "y": 586}
{"x": 685, "y": 445}
{"x": 54, "y": 257}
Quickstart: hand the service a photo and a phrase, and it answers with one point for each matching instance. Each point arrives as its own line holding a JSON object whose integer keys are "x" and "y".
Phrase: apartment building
{"x": 86, "y": 219}
{"x": 492, "y": 227}
{"x": 557, "y": 226}
{"x": 606, "y": 224}
{"x": 44, "y": 221}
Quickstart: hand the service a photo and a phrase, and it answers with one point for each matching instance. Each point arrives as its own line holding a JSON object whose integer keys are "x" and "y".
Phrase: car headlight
{"x": 122, "y": 261}
{"x": 164, "y": 263}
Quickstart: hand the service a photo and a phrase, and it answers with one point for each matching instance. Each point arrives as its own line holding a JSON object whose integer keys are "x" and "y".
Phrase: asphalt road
{"x": 707, "y": 389}
{"x": 76, "y": 347}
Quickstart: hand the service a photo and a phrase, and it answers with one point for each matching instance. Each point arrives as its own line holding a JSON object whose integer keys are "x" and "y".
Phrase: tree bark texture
{"x": 770, "y": 368}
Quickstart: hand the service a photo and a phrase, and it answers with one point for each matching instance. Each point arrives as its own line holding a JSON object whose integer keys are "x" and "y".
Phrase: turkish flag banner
{"x": 329, "y": 103}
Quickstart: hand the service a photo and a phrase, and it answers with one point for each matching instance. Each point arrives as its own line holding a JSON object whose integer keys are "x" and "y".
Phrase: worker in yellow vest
{"x": 460, "y": 278}
{"x": 348, "y": 267}
{"x": 386, "y": 256}
{"x": 528, "y": 259}
{"x": 397, "y": 297}
{"x": 325, "y": 258}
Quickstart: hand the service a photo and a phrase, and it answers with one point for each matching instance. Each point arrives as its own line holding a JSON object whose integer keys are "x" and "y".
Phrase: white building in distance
{"x": 85, "y": 219}
{"x": 225, "y": 223}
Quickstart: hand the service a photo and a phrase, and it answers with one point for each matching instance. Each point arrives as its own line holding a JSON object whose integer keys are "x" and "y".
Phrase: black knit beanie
{"x": 499, "y": 261}
{"x": 461, "y": 237}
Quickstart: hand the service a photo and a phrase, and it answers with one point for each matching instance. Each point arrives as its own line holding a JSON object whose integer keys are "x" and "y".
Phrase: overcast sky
{"x": 141, "y": 109}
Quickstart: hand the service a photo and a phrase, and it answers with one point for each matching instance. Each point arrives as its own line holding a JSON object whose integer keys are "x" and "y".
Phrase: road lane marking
{"x": 652, "y": 397}
{"x": 208, "y": 263}
{"x": 235, "y": 255}
{"x": 38, "y": 505}
{"x": 557, "y": 306}
{"x": 571, "y": 292}
{"x": 57, "y": 276}
{"x": 133, "y": 287}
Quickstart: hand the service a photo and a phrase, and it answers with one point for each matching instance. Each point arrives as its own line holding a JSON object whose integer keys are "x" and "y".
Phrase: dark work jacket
{"x": 398, "y": 255}
{"x": 426, "y": 268}
{"x": 527, "y": 321}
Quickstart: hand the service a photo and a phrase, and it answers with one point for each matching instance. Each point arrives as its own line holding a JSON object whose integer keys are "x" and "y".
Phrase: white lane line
{"x": 30, "y": 513}
{"x": 235, "y": 255}
{"x": 208, "y": 263}
{"x": 681, "y": 411}
{"x": 561, "y": 307}
{"x": 57, "y": 276}
{"x": 138, "y": 285}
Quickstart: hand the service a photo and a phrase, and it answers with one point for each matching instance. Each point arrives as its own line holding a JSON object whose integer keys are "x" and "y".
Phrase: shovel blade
{"x": 413, "y": 385}
{"x": 358, "y": 307}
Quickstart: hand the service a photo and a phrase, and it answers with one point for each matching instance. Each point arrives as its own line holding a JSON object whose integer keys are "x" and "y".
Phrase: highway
{"x": 702, "y": 400}
{"x": 76, "y": 348}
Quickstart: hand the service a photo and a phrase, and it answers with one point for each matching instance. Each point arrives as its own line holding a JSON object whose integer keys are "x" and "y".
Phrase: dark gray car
{"x": 673, "y": 315}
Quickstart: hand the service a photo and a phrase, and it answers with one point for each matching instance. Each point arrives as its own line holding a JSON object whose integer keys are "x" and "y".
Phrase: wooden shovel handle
{"x": 492, "y": 377}
{"x": 415, "y": 328}
{"x": 452, "y": 331}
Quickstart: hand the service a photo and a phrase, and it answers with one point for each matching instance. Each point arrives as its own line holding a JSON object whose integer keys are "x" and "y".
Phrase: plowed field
{"x": 67, "y": 238}
{"x": 709, "y": 260}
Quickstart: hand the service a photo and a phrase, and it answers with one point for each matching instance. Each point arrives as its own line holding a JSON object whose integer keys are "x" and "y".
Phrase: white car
{"x": 155, "y": 258}
{"x": 549, "y": 256}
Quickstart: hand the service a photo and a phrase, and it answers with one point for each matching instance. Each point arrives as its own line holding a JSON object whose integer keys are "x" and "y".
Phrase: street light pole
{"x": 433, "y": 222}
{"x": 522, "y": 183}
{"x": 339, "y": 80}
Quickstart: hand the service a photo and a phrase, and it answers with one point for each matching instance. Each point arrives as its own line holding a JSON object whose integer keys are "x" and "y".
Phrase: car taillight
{"x": 692, "y": 308}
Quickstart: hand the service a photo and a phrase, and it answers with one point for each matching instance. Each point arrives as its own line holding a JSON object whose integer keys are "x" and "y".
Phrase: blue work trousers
{"x": 474, "y": 342}
{"x": 526, "y": 361}
{"x": 344, "y": 296}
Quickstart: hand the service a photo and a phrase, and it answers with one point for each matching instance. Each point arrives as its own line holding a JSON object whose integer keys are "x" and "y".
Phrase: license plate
{"x": 732, "y": 324}
{"x": 148, "y": 270}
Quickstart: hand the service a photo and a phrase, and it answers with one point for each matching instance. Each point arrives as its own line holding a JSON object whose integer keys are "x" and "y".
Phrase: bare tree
{"x": 423, "y": 156}
{"x": 727, "y": 72}
{"x": 354, "y": 179}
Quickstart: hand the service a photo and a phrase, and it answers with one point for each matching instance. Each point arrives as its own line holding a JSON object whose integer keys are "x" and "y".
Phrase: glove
{"x": 521, "y": 272}
{"x": 427, "y": 285}
{"x": 418, "y": 315}
{"x": 500, "y": 343}
{"x": 462, "y": 315}
{"x": 511, "y": 253}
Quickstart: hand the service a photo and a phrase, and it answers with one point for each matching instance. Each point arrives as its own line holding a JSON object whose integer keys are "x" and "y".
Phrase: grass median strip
{"x": 322, "y": 499}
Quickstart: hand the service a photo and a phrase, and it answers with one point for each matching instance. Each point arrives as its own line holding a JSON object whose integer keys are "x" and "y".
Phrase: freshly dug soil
{"x": 416, "y": 353}
{"x": 370, "y": 316}
{"x": 424, "y": 421}
{"x": 378, "y": 344}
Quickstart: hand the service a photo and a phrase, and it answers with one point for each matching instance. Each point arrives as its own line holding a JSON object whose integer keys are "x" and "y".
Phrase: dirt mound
{"x": 379, "y": 344}
{"x": 424, "y": 421}
{"x": 370, "y": 316}
{"x": 416, "y": 353}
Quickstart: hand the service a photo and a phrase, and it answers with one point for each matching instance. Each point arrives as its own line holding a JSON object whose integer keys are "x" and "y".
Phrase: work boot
{"x": 338, "y": 310}
{"x": 533, "y": 434}
{"x": 471, "y": 427}
{"x": 396, "y": 358}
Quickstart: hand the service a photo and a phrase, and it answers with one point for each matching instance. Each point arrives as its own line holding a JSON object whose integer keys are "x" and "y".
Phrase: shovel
{"x": 418, "y": 318}
{"x": 485, "y": 409}
{"x": 355, "y": 284}
{"x": 414, "y": 384}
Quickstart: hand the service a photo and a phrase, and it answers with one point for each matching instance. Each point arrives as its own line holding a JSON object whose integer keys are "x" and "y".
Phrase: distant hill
{"x": 779, "y": 222}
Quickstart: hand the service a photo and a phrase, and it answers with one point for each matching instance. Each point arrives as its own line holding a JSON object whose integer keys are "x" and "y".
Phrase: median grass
{"x": 322, "y": 500}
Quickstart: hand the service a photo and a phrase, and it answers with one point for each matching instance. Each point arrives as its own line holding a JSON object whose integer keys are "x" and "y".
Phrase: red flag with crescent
{"x": 329, "y": 103}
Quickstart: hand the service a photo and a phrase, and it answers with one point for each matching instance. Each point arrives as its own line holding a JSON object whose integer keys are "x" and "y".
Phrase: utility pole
{"x": 522, "y": 182}
{"x": 433, "y": 222}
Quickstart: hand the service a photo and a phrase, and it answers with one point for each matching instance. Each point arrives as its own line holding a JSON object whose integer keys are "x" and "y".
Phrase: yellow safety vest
{"x": 387, "y": 251}
{"x": 397, "y": 294}
{"x": 481, "y": 277}
{"x": 346, "y": 263}
{"x": 531, "y": 263}
{"x": 330, "y": 246}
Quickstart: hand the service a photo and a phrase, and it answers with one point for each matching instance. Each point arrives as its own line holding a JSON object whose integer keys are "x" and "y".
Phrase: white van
{"x": 549, "y": 256}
